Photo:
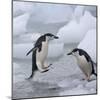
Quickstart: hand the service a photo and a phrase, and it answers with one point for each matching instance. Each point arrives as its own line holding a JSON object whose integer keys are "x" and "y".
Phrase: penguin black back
{"x": 39, "y": 42}
{"x": 41, "y": 39}
{"x": 88, "y": 58}
{"x": 82, "y": 52}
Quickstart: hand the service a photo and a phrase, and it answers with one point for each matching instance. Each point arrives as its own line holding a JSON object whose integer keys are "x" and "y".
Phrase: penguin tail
{"x": 94, "y": 63}
{"x": 95, "y": 74}
{"x": 93, "y": 71}
{"x": 30, "y": 76}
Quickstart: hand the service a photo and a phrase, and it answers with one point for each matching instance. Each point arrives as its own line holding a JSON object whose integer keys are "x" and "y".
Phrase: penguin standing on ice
{"x": 39, "y": 53}
{"x": 84, "y": 61}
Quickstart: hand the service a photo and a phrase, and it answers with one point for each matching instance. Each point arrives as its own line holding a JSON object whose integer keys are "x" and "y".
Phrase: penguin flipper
{"x": 37, "y": 45}
{"x": 33, "y": 49}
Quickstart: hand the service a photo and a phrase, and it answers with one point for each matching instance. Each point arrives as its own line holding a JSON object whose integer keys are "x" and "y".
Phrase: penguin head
{"x": 75, "y": 52}
{"x": 50, "y": 36}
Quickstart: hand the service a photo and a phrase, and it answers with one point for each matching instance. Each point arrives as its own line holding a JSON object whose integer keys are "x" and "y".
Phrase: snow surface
{"x": 89, "y": 44}
{"x": 60, "y": 80}
{"x": 20, "y": 8}
{"x": 74, "y": 31}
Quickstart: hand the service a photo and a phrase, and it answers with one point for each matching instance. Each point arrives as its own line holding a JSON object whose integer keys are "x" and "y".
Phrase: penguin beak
{"x": 56, "y": 37}
{"x": 69, "y": 53}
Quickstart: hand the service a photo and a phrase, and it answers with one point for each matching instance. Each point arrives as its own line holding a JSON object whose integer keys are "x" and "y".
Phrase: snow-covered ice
{"x": 74, "y": 31}
{"x": 89, "y": 44}
{"x": 20, "y": 8}
{"x": 29, "y": 37}
{"x": 51, "y": 13}
{"x": 19, "y": 24}
{"x": 77, "y": 86}
{"x": 55, "y": 50}
{"x": 16, "y": 66}
{"x": 73, "y": 92}
{"x": 92, "y": 10}
{"x": 20, "y": 50}
{"x": 55, "y": 13}
{"x": 78, "y": 12}
{"x": 63, "y": 78}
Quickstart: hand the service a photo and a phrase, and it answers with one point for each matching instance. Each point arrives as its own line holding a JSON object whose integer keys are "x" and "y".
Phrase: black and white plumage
{"x": 84, "y": 61}
{"x": 39, "y": 53}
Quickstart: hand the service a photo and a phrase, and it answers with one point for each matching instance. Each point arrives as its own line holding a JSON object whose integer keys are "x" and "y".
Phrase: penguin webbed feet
{"x": 46, "y": 68}
{"x": 88, "y": 79}
{"x": 49, "y": 65}
{"x": 83, "y": 79}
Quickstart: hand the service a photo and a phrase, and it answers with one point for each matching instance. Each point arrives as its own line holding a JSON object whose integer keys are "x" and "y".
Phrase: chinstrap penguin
{"x": 84, "y": 61}
{"x": 39, "y": 53}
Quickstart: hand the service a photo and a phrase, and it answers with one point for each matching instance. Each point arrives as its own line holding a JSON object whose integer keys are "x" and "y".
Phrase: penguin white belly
{"x": 84, "y": 65}
{"x": 41, "y": 56}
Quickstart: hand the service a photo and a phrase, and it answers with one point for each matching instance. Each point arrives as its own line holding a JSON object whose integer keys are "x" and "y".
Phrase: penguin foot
{"x": 46, "y": 66}
{"x": 83, "y": 79}
{"x": 86, "y": 79}
{"x": 89, "y": 80}
{"x": 45, "y": 70}
{"x": 42, "y": 70}
{"x": 49, "y": 65}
